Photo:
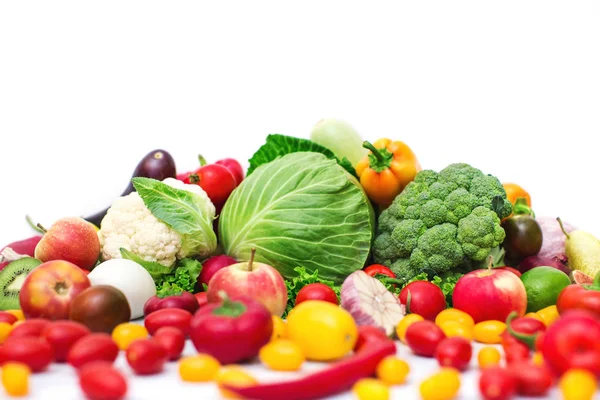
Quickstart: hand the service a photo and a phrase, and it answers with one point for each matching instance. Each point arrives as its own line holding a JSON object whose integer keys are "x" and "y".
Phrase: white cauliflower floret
{"x": 129, "y": 224}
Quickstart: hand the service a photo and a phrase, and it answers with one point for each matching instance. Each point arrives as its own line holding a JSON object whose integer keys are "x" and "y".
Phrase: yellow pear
{"x": 583, "y": 251}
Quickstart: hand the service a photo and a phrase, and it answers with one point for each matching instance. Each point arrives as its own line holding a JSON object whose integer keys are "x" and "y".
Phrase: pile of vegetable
{"x": 331, "y": 249}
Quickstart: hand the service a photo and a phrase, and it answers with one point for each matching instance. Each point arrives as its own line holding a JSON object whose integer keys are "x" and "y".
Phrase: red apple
{"x": 257, "y": 280}
{"x": 48, "y": 290}
{"x": 210, "y": 268}
{"x": 70, "y": 239}
{"x": 511, "y": 269}
{"x": 490, "y": 294}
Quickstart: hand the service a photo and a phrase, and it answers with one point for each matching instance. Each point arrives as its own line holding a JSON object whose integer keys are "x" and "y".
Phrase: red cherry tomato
{"x": 202, "y": 298}
{"x": 99, "y": 380}
{"x": 497, "y": 383}
{"x": 175, "y": 317}
{"x": 368, "y": 333}
{"x": 7, "y": 317}
{"x": 234, "y": 167}
{"x": 217, "y": 181}
{"x": 31, "y": 327}
{"x": 94, "y": 347}
{"x": 454, "y": 352}
{"x": 35, "y": 352}
{"x": 532, "y": 380}
{"x": 62, "y": 335}
{"x": 172, "y": 340}
{"x": 146, "y": 356}
{"x": 423, "y": 338}
{"x": 316, "y": 291}
{"x": 426, "y": 299}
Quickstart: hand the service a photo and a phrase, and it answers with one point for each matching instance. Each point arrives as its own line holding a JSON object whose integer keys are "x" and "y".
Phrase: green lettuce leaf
{"x": 278, "y": 145}
{"x": 182, "y": 279}
{"x": 156, "y": 270}
{"x": 302, "y": 279}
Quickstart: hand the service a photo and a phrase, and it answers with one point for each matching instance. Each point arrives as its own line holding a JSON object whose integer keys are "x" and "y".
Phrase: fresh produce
{"x": 532, "y": 380}
{"x": 512, "y": 346}
{"x": 160, "y": 223}
{"x": 578, "y": 384}
{"x": 201, "y": 298}
{"x": 199, "y": 368}
{"x": 423, "y": 337}
{"x": 216, "y": 180}
{"x": 543, "y": 285}
{"x": 15, "y": 378}
{"x": 489, "y": 332}
{"x": 146, "y": 357}
{"x": 50, "y": 289}
{"x": 580, "y": 297}
{"x": 32, "y": 327}
{"x": 231, "y": 330}
{"x": 126, "y": 333}
{"x": 234, "y": 167}
{"x": 211, "y": 266}
{"x": 371, "y": 389}
{"x": 488, "y": 357}
{"x": 324, "y": 331}
{"x": 62, "y": 335}
{"x": 454, "y": 352}
{"x": 331, "y": 232}
{"x": 19, "y": 249}
{"x": 34, "y": 352}
{"x": 93, "y": 347}
{"x": 455, "y": 315}
{"x": 580, "y": 278}
{"x": 100, "y": 380}
{"x": 279, "y": 328}
{"x": 172, "y": 340}
{"x": 130, "y": 278}
{"x": 7, "y": 317}
{"x": 11, "y": 281}
{"x": 378, "y": 269}
{"x": 70, "y": 239}
{"x": 404, "y": 323}
{"x": 548, "y": 315}
{"x": 302, "y": 279}
{"x": 17, "y": 313}
{"x": 366, "y": 334}
{"x": 442, "y": 385}
{"x": 317, "y": 291}
{"x": 392, "y": 370}
{"x": 184, "y": 300}
{"x": 423, "y": 298}
{"x": 523, "y": 233}
{"x": 582, "y": 250}
{"x": 445, "y": 281}
{"x": 456, "y": 329}
{"x": 175, "y": 317}
{"x": 497, "y": 383}
{"x": 101, "y": 308}
{"x": 254, "y": 279}
{"x": 233, "y": 376}
{"x": 338, "y": 377}
{"x": 340, "y": 137}
{"x": 5, "y": 330}
{"x": 515, "y": 192}
{"x": 281, "y": 355}
{"x": 490, "y": 294}
{"x": 370, "y": 303}
{"x": 442, "y": 221}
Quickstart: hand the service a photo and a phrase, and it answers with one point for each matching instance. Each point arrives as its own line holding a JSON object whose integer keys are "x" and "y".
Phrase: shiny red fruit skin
{"x": 146, "y": 356}
{"x": 367, "y": 334}
{"x": 317, "y": 291}
{"x": 234, "y": 167}
{"x": 426, "y": 299}
{"x": 94, "y": 347}
{"x": 35, "y": 352}
{"x": 454, "y": 352}
{"x": 30, "y": 327}
{"x": 497, "y": 383}
{"x": 62, "y": 335}
{"x": 172, "y": 340}
{"x": 423, "y": 337}
{"x": 100, "y": 380}
{"x": 175, "y": 317}
{"x": 7, "y": 318}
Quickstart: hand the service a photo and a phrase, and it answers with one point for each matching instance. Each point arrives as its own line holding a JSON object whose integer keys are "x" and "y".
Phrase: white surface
{"x": 87, "y": 89}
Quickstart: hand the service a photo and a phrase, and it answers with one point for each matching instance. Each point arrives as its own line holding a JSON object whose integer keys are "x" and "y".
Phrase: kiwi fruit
{"x": 11, "y": 280}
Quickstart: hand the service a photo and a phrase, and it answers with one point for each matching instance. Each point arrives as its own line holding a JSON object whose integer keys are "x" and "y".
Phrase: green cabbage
{"x": 301, "y": 209}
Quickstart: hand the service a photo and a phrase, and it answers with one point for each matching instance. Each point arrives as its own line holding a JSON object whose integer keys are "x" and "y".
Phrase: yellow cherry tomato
{"x": 488, "y": 357}
{"x": 548, "y": 315}
{"x": 489, "y": 332}
{"x": 281, "y": 355}
{"x": 537, "y": 358}
{"x": 452, "y": 314}
{"x": 443, "y": 385}
{"x": 127, "y": 332}
{"x": 392, "y": 370}
{"x": 198, "y": 368}
{"x": 324, "y": 331}
{"x": 5, "y": 329}
{"x": 534, "y": 316}
{"x": 578, "y": 384}
{"x": 15, "y": 378}
{"x": 371, "y": 389}
{"x": 279, "y": 328}
{"x": 235, "y": 376}
{"x": 455, "y": 328}
{"x": 17, "y": 313}
{"x": 404, "y": 323}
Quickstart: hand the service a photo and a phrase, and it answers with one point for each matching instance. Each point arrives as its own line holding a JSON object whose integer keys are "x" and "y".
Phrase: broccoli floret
{"x": 442, "y": 221}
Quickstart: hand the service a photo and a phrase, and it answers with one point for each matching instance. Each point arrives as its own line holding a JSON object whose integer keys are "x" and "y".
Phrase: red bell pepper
{"x": 580, "y": 297}
{"x": 339, "y": 377}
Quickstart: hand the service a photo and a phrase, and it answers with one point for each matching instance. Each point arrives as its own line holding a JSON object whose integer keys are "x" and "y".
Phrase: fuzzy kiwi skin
{"x": 11, "y": 279}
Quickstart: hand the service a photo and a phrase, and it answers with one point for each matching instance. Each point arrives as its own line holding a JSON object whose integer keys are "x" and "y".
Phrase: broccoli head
{"x": 442, "y": 221}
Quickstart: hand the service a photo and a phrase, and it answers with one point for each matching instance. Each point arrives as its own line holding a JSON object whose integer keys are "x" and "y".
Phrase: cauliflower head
{"x": 130, "y": 224}
{"x": 441, "y": 221}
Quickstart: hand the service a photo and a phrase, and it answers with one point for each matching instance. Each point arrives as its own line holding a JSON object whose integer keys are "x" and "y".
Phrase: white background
{"x": 87, "y": 89}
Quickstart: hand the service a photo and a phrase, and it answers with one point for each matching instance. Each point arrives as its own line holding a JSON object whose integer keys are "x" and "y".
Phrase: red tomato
{"x": 99, "y": 380}
{"x": 234, "y": 167}
{"x": 175, "y": 317}
{"x": 202, "y": 299}
{"x": 423, "y": 338}
{"x": 31, "y": 327}
{"x": 94, "y": 347}
{"x": 497, "y": 383}
{"x": 146, "y": 356}
{"x": 35, "y": 352}
{"x": 7, "y": 317}
{"x": 62, "y": 335}
{"x": 172, "y": 340}
{"x": 316, "y": 291}
{"x": 368, "y": 333}
{"x": 532, "y": 380}
{"x": 426, "y": 299}
{"x": 454, "y": 352}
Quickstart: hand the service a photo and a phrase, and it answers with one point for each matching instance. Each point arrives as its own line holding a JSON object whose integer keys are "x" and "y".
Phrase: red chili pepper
{"x": 338, "y": 378}
{"x": 375, "y": 269}
{"x": 580, "y": 297}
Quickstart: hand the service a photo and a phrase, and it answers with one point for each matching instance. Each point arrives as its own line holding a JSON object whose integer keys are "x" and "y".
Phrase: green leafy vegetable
{"x": 279, "y": 145}
{"x": 156, "y": 270}
{"x": 300, "y": 209}
{"x": 183, "y": 278}
{"x": 186, "y": 212}
{"x": 302, "y": 279}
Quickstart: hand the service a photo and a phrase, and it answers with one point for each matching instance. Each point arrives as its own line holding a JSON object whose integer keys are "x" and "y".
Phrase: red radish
{"x": 211, "y": 266}
{"x": 99, "y": 380}
{"x": 423, "y": 337}
{"x": 146, "y": 356}
{"x": 172, "y": 340}
{"x": 426, "y": 299}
